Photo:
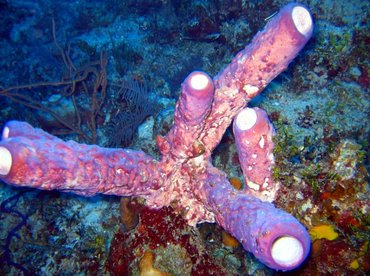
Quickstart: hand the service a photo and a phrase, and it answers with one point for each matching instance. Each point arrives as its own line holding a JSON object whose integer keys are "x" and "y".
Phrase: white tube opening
{"x": 5, "y": 161}
{"x": 287, "y": 251}
{"x": 5, "y": 134}
{"x": 246, "y": 119}
{"x": 199, "y": 81}
{"x": 302, "y": 20}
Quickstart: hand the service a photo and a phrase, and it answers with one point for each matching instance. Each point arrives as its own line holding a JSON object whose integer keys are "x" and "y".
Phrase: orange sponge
{"x": 146, "y": 266}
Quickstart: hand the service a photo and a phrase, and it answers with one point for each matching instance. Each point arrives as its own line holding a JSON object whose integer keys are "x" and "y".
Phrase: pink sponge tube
{"x": 196, "y": 98}
{"x": 261, "y": 61}
{"x": 31, "y": 157}
{"x": 185, "y": 177}
{"x": 272, "y": 235}
{"x": 269, "y": 53}
{"x": 253, "y": 137}
{"x": 194, "y": 105}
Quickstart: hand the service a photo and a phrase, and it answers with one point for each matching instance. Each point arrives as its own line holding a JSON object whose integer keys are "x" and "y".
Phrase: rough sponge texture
{"x": 184, "y": 176}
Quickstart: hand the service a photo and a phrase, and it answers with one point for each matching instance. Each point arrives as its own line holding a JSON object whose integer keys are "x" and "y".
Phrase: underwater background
{"x": 109, "y": 73}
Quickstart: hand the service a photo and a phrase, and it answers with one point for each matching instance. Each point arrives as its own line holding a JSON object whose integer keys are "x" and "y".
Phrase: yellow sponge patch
{"x": 324, "y": 231}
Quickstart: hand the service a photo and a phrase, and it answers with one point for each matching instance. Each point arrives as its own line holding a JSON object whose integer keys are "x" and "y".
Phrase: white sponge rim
{"x": 246, "y": 119}
{"x": 5, "y": 161}
{"x": 302, "y": 20}
{"x": 287, "y": 251}
{"x": 199, "y": 81}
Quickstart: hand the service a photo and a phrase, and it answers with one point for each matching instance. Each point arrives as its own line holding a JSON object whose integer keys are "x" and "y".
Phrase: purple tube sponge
{"x": 184, "y": 177}
{"x": 272, "y": 235}
{"x": 253, "y": 137}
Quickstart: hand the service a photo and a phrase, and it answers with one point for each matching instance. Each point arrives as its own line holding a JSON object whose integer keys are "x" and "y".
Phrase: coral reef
{"x": 166, "y": 234}
{"x": 146, "y": 40}
{"x": 185, "y": 174}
